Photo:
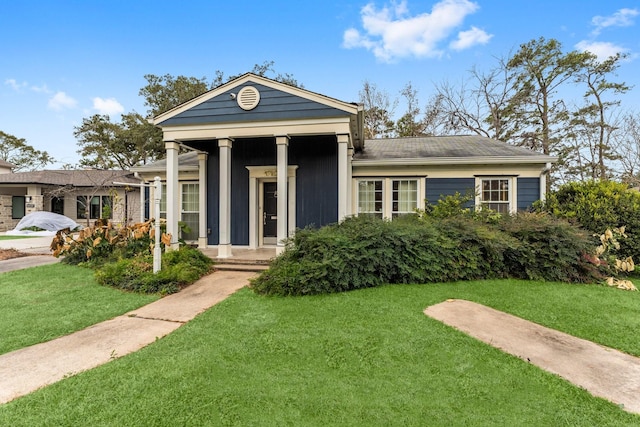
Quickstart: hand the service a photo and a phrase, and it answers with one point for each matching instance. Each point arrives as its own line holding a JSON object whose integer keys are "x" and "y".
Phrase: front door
{"x": 270, "y": 213}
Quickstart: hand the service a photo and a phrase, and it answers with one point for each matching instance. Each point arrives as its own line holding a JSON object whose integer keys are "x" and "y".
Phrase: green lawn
{"x": 41, "y": 303}
{"x": 15, "y": 237}
{"x": 364, "y": 358}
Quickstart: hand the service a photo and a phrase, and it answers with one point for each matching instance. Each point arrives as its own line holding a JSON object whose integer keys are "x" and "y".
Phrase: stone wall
{"x": 6, "y": 223}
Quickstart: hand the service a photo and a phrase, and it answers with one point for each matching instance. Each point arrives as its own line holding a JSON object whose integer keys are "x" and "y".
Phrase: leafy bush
{"x": 123, "y": 258}
{"x": 598, "y": 206}
{"x": 365, "y": 252}
{"x": 179, "y": 268}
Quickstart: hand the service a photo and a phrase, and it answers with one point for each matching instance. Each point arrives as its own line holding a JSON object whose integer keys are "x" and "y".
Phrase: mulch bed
{"x": 6, "y": 254}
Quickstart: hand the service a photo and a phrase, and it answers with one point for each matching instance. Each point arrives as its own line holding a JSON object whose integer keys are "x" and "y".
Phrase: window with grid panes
{"x": 404, "y": 197}
{"x": 370, "y": 201}
{"x": 494, "y": 194}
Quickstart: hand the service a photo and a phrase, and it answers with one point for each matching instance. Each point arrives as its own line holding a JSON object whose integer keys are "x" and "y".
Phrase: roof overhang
{"x": 443, "y": 161}
{"x": 321, "y": 126}
{"x": 253, "y": 78}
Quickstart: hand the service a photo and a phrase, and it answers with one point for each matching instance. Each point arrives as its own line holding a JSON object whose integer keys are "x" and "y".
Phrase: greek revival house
{"x": 267, "y": 158}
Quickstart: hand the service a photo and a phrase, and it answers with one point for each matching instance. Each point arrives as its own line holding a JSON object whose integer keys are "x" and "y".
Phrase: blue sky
{"x": 64, "y": 60}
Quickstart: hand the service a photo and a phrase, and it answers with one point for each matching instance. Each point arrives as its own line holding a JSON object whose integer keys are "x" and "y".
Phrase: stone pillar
{"x": 282, "y": 143}
{"x": 202, "y": 200}
{"x": 173, "y": 209}
{"x": 224, "y": 238}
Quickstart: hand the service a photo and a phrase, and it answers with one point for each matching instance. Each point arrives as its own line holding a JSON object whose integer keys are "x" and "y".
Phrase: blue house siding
{"x": 317, "y": 179}
{"x": 274, "y": 105}
{"x": 246, "y": 152}
{"x": 316, "y": 182}
{"x": 528, "y": 192}
{"x": 438, "y": 187}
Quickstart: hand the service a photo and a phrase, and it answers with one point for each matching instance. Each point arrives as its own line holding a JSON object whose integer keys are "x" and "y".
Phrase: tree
{"x": 378, "y": 109}
{"x": 629, "y": 149}
{"x": 22, "y": 155}
{"x": 480, "y": 104}
{"x": 408, "y": 124}
{"x": 107, "y": 145}
{"x": 592, "y": 124}
{"x": 133, "y": 141}
{"x": 540, "y": 68}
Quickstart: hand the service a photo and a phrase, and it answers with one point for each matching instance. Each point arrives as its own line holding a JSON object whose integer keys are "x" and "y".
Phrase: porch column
{"x": 224, "y": 239}
{"x": 173, "y": 213}
{"x": 350, "y": 181}
{"x": 202, "y": 200}
{"x": 282, "y": 143}
{"x": 343, "y": 174}
{"x": 142, "y": 200}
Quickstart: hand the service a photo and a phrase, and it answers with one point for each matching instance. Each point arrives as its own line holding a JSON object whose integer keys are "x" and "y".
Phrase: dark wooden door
{"x": 270, "y": 213}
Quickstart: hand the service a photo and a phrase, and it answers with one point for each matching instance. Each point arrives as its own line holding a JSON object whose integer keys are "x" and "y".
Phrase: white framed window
{"x": 404, "y": 196}
{"x": 389, "y": 197}
{"x": 370, "y": 201}
{"x": 496, "y": 193}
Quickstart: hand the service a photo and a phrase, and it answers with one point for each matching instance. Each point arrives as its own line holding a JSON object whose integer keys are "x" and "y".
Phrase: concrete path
{"x": 31, "y": 368}
{"x": 603, "y": 371}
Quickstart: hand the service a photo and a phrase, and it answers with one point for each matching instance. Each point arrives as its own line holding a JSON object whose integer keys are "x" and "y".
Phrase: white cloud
{"x": 13, "y": 83}
{"x": 40, "y": 89}
{"x": 109, "y": 106}
{"x": 391, "y": 33}
{"x": 602, "y": 50}
{"x": 470, "y": 38}
{"x": 61, "y": 100}
{"x": 621, "y": 18}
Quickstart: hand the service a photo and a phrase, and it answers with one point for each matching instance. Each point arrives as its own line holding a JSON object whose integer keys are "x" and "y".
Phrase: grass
{"x": 368, "y": 357}
{"x": 15, "y": 237}
{"x": 41, "y": 303}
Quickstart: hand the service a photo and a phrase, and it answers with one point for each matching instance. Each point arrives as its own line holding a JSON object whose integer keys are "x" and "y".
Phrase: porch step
{"x": 235, "y": 266}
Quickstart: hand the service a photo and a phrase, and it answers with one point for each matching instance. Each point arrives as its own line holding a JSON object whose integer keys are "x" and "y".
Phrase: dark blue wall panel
{"x": 528, "y": 192}
{"x": 317, "y": 179}
{"x": 246, "y": 152}
{"x": 438, "y": 187}
{"x": 274, "y": 105}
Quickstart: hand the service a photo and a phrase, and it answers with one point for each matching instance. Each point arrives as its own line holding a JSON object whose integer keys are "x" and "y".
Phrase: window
{"x": 495, "y": 194}
{"x": 57, "y": 205}
{"x": 163, "y": 202}
{"x": 96, "y": 207}
{"x": 190, "y": 210}
{"x": 388, "y": 197}
{"x": 17, "y": 207}
{"x": 405, "y": 197}
{"x": 81, "y": 207}
{"x": 370, "y": 198}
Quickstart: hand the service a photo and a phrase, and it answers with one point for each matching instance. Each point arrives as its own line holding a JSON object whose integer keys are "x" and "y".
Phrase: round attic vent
{"x": 248, "y": 98}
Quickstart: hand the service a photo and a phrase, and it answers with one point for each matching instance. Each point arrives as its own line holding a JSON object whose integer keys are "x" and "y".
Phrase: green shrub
{"x": 179, "y": 268}
{"x": 598, "y": 206}
{"x": 365, "y": 252}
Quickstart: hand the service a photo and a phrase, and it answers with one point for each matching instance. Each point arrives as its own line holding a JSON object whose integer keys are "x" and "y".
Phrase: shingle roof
{"x": 6, "y": 164}
{"x": 186, "y": 161}
{"x": 76, "y": 178}
{"x": 443, "y": 147}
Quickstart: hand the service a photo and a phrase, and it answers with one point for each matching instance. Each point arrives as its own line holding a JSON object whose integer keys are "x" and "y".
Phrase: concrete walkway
{"x": 28, "y": 369}
{"x": 603, "y": 371}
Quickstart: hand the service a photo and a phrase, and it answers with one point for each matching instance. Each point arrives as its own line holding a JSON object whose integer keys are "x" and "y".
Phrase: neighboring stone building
{"x": 82, "y": 195}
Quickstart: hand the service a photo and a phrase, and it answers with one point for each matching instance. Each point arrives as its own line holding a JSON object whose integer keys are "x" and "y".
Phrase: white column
{"x": 202, "y": 200}
{"x": 282, "y": 143}
{"x": 224, "y": 236}
{"x": 253, "y": 211}
{"x": 350, "y": 182}
{"x": 343, "y": 174}
{"x": 173, "y": 212}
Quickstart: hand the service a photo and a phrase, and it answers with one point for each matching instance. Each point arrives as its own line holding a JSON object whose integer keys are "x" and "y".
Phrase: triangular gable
{"x": 277, "y": 101}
